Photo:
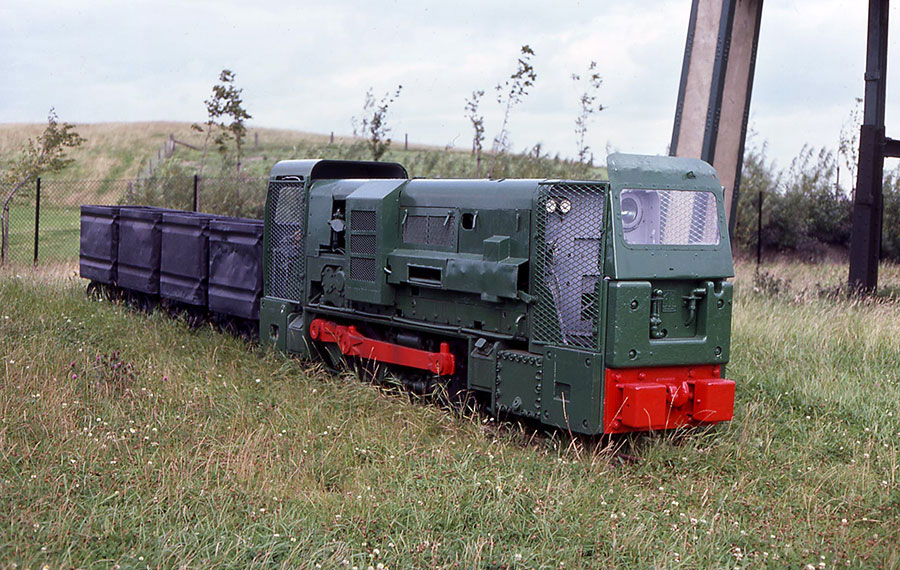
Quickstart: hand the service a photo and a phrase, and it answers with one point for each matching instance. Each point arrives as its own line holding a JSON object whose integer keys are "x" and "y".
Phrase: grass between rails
{"x": 201, "y": 449}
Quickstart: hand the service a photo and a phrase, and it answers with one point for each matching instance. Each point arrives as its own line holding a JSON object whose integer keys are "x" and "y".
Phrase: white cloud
{"x": 307, "y": 65}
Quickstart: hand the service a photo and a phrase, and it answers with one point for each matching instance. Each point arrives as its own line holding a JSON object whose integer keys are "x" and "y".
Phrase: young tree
{"x": 214, "y": 111}
{"x": 477, "y": 120}
{"x": 509, "y": 94}
{"x": 225, "y": 101}
{"x": 589, "y": 106}
{"x": 234, "y": 108}
{"x": 46, "y": 153}
{"x": 848, "y": 145}
{"x": 373, "y": 125}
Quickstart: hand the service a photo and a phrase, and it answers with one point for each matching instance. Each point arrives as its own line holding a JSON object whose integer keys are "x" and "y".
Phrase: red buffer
{"x": 352, "y": 343}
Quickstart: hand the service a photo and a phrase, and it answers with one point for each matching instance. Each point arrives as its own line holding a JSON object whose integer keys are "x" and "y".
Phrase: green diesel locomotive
{"x": 594, "y": 306}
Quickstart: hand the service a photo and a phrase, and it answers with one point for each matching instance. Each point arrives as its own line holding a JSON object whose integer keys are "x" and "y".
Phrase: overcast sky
{"x": 306, "y": 65}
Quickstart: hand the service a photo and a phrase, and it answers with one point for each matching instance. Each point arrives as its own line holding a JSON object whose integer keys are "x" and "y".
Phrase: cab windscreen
{"x": 669, "y": 217}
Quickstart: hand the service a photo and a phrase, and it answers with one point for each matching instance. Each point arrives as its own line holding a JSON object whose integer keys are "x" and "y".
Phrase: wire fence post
{"x": 759, "y": 206}
{"x": 196, "y": 193}
{"x": 37, "y": 217}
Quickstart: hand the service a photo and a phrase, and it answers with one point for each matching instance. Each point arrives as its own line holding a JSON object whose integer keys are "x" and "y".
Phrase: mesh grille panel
{"x": 362, "y": 269}
{"x": 442, "y": 230}
{"x": 415, "y": 230}
{"x": 670, "y": 217}
{"x": 363, "y": 221}
{"x": 363, "y": 241}
{"x": 286, "y": 227}
{"x": 568, "y": 263}
{"x": 362, "y": 244}
{"x": 431, "y": 230}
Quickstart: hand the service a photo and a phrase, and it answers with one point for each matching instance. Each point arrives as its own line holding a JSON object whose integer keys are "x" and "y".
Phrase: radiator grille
{"x": 363, "y": 221}
{"x": 415, "y": 230}
{"x": 568, "y": 263}
{"x": 362, "y": 269}
{"x": 362, "y": 244}
{"x": 285, "y": 258}
{"x": 442, "y": 230}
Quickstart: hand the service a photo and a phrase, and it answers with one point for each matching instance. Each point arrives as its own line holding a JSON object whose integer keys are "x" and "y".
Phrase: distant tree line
{"x": 806, "y": 210}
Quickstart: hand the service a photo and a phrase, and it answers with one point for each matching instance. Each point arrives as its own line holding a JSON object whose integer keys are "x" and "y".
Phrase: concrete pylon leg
{"x": 716, "y": 83}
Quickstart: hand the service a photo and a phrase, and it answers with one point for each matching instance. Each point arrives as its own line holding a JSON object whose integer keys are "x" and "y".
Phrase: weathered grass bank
{"x": 132, "y": 440}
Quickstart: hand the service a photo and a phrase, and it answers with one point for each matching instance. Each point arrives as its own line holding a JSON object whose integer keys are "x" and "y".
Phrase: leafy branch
{"x": 588, "y": 106}
{"x": 477, "y": 120}
{"x": 46, "y": 153}
{"x": 848, "y": 145}
{"x": 509, "y": 94}
{"x": 373, "y": 125}
{"x": 225, "y": 102}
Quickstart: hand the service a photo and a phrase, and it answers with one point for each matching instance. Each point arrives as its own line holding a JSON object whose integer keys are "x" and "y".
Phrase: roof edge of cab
{"x": 333, "y": 169}
{"x": 668, "y": 166}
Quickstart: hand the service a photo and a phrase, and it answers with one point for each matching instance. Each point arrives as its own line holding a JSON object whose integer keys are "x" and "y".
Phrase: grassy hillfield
{"x": 114, "y": 152}
{"x": 130, "y": 440}
{"x": 124, "y": 150}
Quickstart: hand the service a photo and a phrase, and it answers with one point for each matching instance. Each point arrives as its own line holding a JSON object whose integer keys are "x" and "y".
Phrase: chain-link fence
{"x": 44, "y": 216}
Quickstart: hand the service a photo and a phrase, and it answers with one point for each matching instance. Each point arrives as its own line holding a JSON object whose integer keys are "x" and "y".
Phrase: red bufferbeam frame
{"x": 639, "y": 399}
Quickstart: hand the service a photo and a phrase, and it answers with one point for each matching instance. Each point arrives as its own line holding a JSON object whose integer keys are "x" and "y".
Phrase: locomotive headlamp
{"x": 632, "y": 211}
{"x": 550, "y": 206}
{"x": 565, "y": 206}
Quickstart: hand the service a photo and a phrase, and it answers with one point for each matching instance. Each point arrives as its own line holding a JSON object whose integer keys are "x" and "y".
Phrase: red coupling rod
{"x": 352, "y": 343}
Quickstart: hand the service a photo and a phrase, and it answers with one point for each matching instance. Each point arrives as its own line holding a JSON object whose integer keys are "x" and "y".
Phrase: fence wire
{"x": 55, "y": 238}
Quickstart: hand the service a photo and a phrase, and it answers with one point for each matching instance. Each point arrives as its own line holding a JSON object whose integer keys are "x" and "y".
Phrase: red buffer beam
{"x": 666, "y": 397}
{"x": 352, "y": 343}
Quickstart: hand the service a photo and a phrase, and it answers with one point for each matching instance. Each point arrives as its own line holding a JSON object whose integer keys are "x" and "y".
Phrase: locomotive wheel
{"x": 94, "y": 290}
{"x": 142, "y": 302}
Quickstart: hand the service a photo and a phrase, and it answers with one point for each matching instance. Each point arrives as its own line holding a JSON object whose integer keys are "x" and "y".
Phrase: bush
{"x": 824, "y": 206}
{"x": 240, "y": 196}
{"x": 170, "y": 186}
{"x": 757, "y": 176}
{"x": 803, "y": 208}
{"x": 890, "y": 226}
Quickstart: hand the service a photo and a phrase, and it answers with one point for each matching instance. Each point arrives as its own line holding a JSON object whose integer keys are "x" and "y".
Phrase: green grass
{"x": 201, "y": 450}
